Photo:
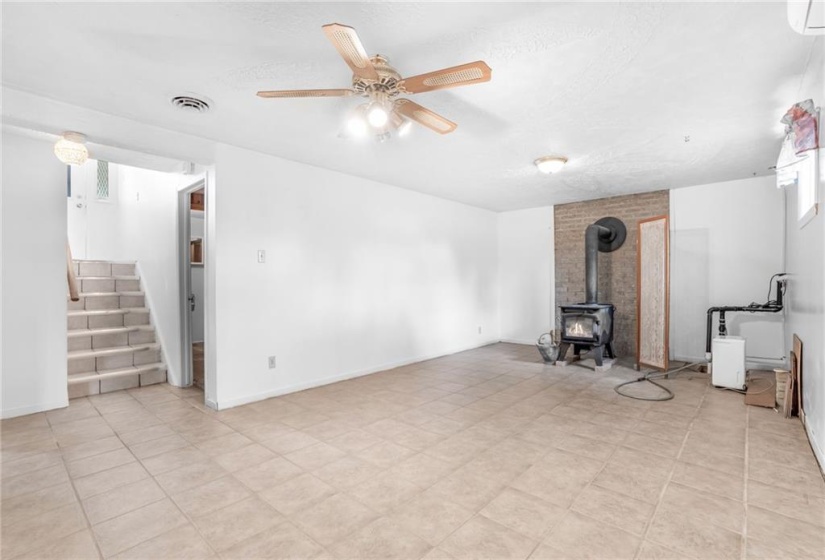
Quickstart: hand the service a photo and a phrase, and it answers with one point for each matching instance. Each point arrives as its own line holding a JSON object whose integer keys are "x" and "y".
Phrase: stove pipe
{"x": 592, "y": 235}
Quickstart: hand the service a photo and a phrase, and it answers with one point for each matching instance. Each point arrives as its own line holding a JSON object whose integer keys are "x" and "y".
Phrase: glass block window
{"x": 103, "y": 180}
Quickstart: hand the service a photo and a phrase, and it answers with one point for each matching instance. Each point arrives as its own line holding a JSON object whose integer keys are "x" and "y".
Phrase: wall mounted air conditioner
{"x": 807, "y": 16}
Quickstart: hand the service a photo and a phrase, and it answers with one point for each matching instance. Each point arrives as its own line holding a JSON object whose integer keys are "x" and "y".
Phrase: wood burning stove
{"x": 589, "y": 326}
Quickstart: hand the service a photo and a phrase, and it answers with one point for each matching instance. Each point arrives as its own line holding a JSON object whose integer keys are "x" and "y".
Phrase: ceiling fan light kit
{"x": 550, "y": 164}
{"x": 373, "y": 77}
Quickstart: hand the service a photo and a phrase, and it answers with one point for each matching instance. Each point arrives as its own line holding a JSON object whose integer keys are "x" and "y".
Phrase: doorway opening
{"x": 192, "y": 245}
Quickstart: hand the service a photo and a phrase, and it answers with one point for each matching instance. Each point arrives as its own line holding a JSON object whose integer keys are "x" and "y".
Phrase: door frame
{"x": 185, "y": 281}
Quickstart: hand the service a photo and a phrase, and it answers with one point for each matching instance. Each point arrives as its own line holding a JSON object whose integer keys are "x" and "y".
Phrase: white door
{"x": 78, "y": 209}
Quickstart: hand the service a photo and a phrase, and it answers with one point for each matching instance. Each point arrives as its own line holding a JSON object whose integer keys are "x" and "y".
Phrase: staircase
{"x": 112, "y": 343}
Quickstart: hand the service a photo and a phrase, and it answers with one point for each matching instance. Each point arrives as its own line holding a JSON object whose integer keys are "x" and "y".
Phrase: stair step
{"x": 108, "y": 277}
{"x": 108, "y": 330}
{"x": 122, "y": 311}
{"x": 115, "y": 351}
{"x": 90, "y": 376}
{"x": 110, "y": 294}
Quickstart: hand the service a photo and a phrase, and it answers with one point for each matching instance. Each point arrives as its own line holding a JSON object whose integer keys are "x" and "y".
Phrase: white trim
{"x": 519, "y": 341}
{"x": 33, "y": 408}
{"x": 223, "y": 405}
{"x": 818, "y": 453}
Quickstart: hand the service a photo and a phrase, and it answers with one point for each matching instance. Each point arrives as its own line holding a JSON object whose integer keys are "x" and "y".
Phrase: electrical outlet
{"x": 479, "y": 329}
{"x": 272, "y": 362}
{"x": 261, "y": 256}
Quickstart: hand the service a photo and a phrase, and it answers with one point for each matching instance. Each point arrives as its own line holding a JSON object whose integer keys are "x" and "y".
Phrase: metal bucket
{"x": 548, "y": 348}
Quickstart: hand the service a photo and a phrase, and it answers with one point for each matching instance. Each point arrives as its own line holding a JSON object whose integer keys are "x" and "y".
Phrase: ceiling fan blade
{"x": 424, "y": 116}
{"x": 307, "y": 93}
{"x": 464, "y": 75}
{"x": 346, "y": 42}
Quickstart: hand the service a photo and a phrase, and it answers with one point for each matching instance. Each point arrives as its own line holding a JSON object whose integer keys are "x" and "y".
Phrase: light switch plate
{"x": 261, "y": 256}
{"x": 272, "y": 362}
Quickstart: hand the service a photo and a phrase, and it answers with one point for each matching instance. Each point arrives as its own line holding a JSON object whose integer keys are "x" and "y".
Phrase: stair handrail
{"x": 70, "y": 275}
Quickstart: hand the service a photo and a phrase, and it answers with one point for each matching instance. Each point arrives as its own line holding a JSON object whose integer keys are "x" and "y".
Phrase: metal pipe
{"x": 591, "y": 260}
{"x": 764, "y": 308}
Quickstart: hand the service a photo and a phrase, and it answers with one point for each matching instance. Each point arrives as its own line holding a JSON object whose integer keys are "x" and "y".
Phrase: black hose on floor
{"x": 649, "y": 377}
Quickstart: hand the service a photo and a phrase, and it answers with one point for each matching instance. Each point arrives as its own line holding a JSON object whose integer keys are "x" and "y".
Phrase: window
{"x": 103, "y": 180}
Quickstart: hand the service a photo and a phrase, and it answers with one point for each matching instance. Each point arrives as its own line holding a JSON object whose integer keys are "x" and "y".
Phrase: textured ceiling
{"x": 615, "y": 87}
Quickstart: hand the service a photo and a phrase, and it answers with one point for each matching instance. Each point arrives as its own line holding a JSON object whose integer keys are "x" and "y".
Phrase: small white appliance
{"x": 728, "y": 362}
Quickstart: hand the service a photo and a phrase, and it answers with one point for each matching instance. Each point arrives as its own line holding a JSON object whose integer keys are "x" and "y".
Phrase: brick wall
{"x": 617, "y": 270}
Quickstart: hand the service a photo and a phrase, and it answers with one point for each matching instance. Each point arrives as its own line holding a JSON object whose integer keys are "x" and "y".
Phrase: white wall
{"x": 360, "y": 276}
{"x": 805, "y": 263}
{"x": 33, "y": 277}
{"x": 726, "y": 243}
{"x": 526, "y": 274}
{"x": 148, "y": 234}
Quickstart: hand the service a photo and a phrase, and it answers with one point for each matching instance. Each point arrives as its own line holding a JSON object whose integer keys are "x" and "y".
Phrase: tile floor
{"x": 483, "y": 454}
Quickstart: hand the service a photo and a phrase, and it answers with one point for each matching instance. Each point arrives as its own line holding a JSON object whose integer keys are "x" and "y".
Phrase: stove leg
{"x": 577, "y": 350}
{"x": 563, "y": 350}
{"x": 609, "y": 349}
{"x": 598, "y": 355}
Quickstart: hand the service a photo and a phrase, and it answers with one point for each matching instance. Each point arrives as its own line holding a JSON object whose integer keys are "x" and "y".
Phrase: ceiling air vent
{"x": 190, "y": 104}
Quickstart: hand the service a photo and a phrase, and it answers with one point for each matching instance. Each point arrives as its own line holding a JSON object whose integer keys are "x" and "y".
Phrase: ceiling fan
{"x": 381, "y": 84}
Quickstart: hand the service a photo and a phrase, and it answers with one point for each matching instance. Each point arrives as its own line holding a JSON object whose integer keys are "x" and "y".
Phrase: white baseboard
{"x": 519, "y": 341}
{"x": 231, "y": 403}
{"x": 32, "y": 409}
{"x": 818, "y": 452}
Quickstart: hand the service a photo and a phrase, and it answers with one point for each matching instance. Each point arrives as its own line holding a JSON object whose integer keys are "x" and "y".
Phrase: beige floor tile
{"x": 524, "y": 513}
{"x": 223, "y": 444}
{"x": 144, "y": 435}
{"x": 354, "y": 440}
{"x": 211, "y": 496}
{"x": 347, "y": 472}
{"x": 334, "y": 518}
{"x": 281, "y": 542}
{"x": 772, "y": 535}
{"x": 190, "y": 476}
{"x": 297, "y": 493}
{"x": 577, "y": 536}
{"x": 268, "y": 474}
{"x": 485, "y": 539}
{"x": 41, "y": 530}
{"x": 122, "y": 500}
{"x": 31, "y": 463}
{"x": 798, "y": 505}
{"x": 26, "y": 506}
{"x": 124, "y": 532}
{"x": 227, "y": 527}
{"x": 382, "y": 539}
{"x": 289, "y": 442}
{"x": 693, "y": 537}
{"x": 616, "y": 509}
{"x": 88, "y": 449}
{"x": 158, "y": 446}
{"x": 717, "y": 510}
{"x": 777, "y": 474}
{"x": 647, "y": 444}
{"x": 653, "y": 551}
{"x": 423, "y": 470}
{"x": 77, "y": 546}
{"x": 384, "y": 454}
{"x": 468, "y": 489}
{"x": 244, "y": 457}
{"x": 182, "y": 542}
{"x": 384, "y": 493}
{"x": 98, "y": 463}
{"x": 315, "y": 456}
{"x": 585, "y": 446}
{"x": 713, "y": 482}
{"x": 171, "y": 460}
{"x": 644, "y": 482}
{"x": 431, "y": 517}
{"x": 34, "y": 481}
{"x": 559, "y": 479}
{"x": 103, "y": 481}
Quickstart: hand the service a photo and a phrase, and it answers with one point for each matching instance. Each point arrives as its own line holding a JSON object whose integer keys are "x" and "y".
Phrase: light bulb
{"x": 377, "y": 116}
{"x": 356, "y": 125}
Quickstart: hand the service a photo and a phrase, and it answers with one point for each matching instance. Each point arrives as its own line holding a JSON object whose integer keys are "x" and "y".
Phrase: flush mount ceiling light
{"x": 550, "y": 164}
{"x": 70, "y": 149}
